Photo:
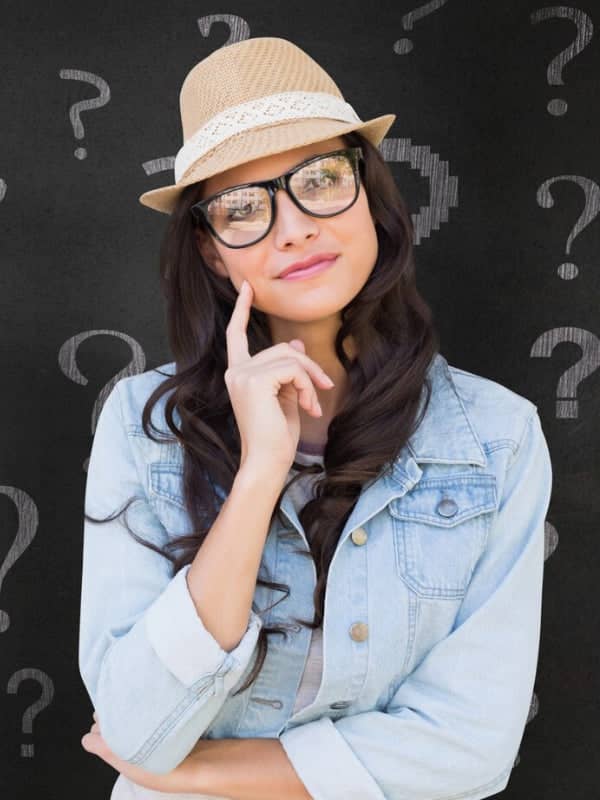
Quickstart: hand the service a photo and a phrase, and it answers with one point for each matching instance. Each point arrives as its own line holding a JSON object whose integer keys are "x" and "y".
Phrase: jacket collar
{"x": 446, "y": 434}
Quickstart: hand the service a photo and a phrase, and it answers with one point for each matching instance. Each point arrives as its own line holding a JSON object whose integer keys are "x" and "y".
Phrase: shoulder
{"x": 134, "y": 391}
{"x": 498, "y": 414}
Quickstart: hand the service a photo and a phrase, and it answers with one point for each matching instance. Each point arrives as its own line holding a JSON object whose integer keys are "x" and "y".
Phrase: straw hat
{"x": 252, "y": 99}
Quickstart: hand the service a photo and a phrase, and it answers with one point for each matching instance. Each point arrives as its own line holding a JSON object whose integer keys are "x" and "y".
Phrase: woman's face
{"x": 295, "y": 236}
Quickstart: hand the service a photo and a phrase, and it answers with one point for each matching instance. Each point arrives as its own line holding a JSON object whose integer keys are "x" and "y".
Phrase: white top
{"x": 300, "y": 493}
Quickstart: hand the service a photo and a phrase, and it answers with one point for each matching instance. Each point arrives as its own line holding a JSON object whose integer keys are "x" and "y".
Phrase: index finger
{"x": 237, "y": 340}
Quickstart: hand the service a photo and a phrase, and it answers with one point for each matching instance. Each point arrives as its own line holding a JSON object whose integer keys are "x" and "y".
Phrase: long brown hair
{"x": 396, "y": 340}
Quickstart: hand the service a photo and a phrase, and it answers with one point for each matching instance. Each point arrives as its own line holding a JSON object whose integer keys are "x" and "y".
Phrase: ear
{"x": 209, "y": 253}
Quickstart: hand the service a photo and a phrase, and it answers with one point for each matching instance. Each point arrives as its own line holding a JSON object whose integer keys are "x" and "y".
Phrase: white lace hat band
{"x": 271, "y": 109}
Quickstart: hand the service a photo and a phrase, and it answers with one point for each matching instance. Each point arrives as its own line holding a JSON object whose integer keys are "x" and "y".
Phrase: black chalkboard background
{"x": 80, "y": 303}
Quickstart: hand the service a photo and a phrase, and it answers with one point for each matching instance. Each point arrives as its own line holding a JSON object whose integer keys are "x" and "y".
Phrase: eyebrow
{"x": 245, "y": 183}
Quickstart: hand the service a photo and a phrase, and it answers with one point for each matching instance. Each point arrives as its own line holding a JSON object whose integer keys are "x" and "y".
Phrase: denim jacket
{"x": 432, "y": 618}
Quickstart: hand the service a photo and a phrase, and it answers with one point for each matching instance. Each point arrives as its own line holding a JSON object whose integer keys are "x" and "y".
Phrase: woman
{"x": 333, "y": 586}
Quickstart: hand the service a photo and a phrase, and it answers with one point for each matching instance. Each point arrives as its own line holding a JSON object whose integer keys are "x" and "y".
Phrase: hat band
{"x": 273, "y": 108}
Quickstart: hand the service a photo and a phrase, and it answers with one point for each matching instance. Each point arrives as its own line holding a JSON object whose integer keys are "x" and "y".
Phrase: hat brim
{"x": 262, "y": 142}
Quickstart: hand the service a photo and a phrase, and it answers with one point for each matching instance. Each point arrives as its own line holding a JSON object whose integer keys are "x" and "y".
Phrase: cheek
{"x": 359, "y": 215}
{"x": 251, "y": 264}
{"x": 246, "y": 264}
{"x": 360, "y": 234}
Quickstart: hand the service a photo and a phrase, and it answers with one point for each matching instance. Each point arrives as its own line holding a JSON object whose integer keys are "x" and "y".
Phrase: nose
{"x": 291, "y": 223}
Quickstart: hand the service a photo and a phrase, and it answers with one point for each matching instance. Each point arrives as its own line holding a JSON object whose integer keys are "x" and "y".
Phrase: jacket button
{"x": 359, "y": 536}
{"x": 359, "y": 631}
{"x": 447, "y": 507}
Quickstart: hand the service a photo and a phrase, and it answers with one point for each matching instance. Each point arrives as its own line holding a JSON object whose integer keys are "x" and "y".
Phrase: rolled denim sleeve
{"x": 454, "y": 726}
{"x": 155, "y": 675}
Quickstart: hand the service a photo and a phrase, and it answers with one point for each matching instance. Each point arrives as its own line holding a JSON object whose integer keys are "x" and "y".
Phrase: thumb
{"x": 297, "y": 344}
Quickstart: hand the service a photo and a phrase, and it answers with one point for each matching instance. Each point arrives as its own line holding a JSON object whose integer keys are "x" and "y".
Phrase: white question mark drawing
{"x": 443, "y": 187}
{"x": 585, "y": 30}
{"x": 550, "y": 539}
{"x": 67, "y": 359}
{"x": 28, "y": 519}
{"x": 568, "y": 270}
{"x": 239, "y": 30}
{"x": 84, "y": 105}
{"x": 45, "y": 681}
{"x": 567, "y": 406}
{"x": 404, "y": 46}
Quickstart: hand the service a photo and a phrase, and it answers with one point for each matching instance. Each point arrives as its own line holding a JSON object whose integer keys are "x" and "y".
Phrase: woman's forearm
{"x": 247, "y": 769}
{"x": 222, "y": 577}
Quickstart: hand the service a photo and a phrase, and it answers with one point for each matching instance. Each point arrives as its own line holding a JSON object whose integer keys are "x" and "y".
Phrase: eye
{"x": 240, "y": 213}
{"x": 326, "y": 178}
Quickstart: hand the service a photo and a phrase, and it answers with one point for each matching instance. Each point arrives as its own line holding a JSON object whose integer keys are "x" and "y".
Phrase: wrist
{"x": 257, "y": 473}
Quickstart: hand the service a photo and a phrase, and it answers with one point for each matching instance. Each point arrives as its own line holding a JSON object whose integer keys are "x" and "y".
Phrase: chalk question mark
{"x": 443, "y": 186}
{"x": 585, "y": 31}
{"x": 28, "y": 519}
{"x": 84, "y": 105}
{"x": 404, "y": 46}
{"x": 590, "y": 188}
{"x": 239, "y": 30}
{"x": 67, "y": 359}
{"x": 567, "y": 406}
{"x": 31, "y": 712}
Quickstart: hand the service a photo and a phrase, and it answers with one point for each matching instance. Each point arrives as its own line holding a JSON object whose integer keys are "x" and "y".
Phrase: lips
{"x": 299, "y": 265}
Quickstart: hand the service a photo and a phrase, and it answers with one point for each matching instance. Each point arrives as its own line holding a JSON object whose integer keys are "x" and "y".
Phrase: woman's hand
{"x": 184, "y": 778}
{"x": 267, "y": 389}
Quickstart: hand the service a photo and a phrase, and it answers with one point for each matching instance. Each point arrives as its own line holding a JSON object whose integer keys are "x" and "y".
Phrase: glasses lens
{"x": 324, "y": 187}
{"x": 241, "y": 216}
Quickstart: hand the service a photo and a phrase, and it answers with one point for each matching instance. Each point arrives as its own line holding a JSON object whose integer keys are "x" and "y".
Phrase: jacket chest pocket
{"x": 165, "y": 483}
{"x": 440, "y": 529}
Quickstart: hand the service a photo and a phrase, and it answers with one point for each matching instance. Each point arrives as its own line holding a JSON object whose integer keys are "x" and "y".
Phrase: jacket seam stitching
{"x": 474, "y": 433}
{"x": 195, "y": 692}
{"x": 499, "y": 444}
{"x": 163, "y": 729}
{"x": 524, "y": 432}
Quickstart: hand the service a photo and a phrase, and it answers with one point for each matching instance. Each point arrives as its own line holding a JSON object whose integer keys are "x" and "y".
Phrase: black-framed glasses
{"x": 322, "y": 186}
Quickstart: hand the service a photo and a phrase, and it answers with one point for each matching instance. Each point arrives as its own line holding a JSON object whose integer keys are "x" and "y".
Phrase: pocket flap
{"x": 446, "y": 501}
{"x": 166, "y": 480}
